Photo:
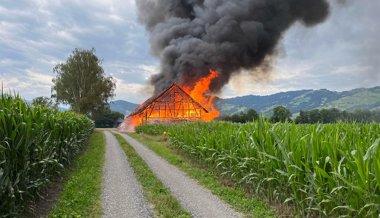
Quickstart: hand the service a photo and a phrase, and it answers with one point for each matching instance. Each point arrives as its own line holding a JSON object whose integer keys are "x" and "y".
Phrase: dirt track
{"x": 197, "y": 200}
{"x": 122, "y": 195}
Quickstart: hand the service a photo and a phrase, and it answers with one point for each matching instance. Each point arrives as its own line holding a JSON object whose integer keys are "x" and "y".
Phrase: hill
{"x": 364, "y": 98}
{"x": 123, "y": 107}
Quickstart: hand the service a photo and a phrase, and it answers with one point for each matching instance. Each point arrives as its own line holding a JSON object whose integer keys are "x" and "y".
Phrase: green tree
{"x": 251, "y": 115}
{"x": 281, "y": 114}
{"x": 106, "y": 118}
{"x": 82, "y": 83}
{"x": 330, "y": 115}
{"x": 46, "y": 102}
{"x": 303, "y": 117}
{"x": 248, "y": 116}
{"x": 315, "y": 116}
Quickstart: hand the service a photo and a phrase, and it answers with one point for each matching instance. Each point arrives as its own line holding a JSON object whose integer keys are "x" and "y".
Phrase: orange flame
{"x": 201, "y": 94}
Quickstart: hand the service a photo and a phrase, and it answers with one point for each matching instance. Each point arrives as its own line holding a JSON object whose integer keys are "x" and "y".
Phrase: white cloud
{"x": 283, "y": 77}
{"x": 350, "y": 70}
{"x": 40, "y": 78}
{"x": 132, "y": 92}
{"x": 35, "y": 35}
{"x": 13, "y": 13}
{"x": 14, "y": 84}
{"x": 8, "y": 62}
{"x": 148, "y": 70}
{"x": 27, "y": 88}
{"x": 67, "y": 36}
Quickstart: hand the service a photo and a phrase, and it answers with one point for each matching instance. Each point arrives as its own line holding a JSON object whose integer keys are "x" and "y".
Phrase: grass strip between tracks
{"x": 81, "y": 195}
{"x": 164, "y": 203}
{"x": 230, "y": 193}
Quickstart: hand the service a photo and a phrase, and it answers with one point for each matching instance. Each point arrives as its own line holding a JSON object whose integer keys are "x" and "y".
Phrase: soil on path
{"x": 199, "y": 201}
{"x": 122, "y": 195}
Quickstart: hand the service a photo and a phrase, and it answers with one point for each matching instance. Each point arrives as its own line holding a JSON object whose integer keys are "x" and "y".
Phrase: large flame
{"x": 200, "y": 93}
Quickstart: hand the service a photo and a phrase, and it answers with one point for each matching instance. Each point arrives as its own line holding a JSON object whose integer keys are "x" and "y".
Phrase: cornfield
{"x": 36, "y": 143}
{"x": 319, "y": 170}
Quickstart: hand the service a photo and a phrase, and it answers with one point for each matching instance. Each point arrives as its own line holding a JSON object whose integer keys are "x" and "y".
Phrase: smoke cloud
{"x": 192, "y": 36}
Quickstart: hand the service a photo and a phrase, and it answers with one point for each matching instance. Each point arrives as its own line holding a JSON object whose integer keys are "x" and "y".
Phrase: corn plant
{"x": 36, "y": 143}
{"x": 319, "y": 170}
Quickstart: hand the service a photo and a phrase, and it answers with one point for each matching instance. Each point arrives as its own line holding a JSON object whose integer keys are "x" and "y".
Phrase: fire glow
{"x": 201, "y": 94}
{"x": 177, "y": 103}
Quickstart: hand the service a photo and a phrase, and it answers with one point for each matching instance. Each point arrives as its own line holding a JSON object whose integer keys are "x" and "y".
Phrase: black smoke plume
{"x": 192, "y": 36}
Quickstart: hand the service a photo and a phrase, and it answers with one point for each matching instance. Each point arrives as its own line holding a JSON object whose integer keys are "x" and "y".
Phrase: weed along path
{"x": 199, "y": 201}
{"x": 122, "y": 195}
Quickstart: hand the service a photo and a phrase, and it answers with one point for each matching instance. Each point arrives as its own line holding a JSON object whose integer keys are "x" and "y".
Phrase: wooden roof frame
{"x": 148, "y": 102}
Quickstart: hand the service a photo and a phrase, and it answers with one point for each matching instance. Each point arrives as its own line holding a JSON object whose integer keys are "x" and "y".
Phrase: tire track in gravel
{"x": 122, "y": 195}
{"x": 199, "y": 201}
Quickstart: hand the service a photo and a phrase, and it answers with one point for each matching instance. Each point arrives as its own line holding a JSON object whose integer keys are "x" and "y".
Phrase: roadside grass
{"x": 223, "y": 188}
{"x": 81, "y": 195}
{"x": 164, "y": 203}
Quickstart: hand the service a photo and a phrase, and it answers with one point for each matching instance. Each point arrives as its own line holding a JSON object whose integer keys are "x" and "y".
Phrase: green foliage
{"x": 281, "y": 114}
{"x": 242, "y": 117}
{"x": 36, "y": 143}
{"x": 334, "y": 115}
{"x": 45, "y": 102}
{"x": 81, "y": 83}
{"x": 81, "y": 196}
{"x": 326, "y": 170}
{"x": 165, "y": 204}
{"x": 107, "y": 119}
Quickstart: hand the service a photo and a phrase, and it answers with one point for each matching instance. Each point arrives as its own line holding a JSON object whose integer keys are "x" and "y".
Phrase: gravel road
{"x": 200, "y": 202}
{"x": 122, "y": 195}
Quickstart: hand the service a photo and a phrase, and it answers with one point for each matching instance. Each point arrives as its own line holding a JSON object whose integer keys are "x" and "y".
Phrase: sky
{"x": 342, "y": 53}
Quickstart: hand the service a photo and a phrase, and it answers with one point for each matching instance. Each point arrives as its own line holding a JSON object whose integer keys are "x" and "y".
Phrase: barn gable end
{"x": 172, "y": 105}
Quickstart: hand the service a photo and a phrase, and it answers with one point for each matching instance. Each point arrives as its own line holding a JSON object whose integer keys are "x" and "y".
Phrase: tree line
{"x": 104, "y": 118}
{"x": 242, "y": 117}
{"x": 334, "y": 115}
{"x": 283, "y": 114}
{"x": 280, "y": 114}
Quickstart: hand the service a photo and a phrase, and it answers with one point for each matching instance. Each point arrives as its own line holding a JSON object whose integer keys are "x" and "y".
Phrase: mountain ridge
{"x": 306, "y": 99}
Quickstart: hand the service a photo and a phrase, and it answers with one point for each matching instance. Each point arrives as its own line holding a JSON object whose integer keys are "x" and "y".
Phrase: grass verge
{"x": 81, "y": 195}
{"x": 229, "y": 192}
{"x": 164, "y": 203}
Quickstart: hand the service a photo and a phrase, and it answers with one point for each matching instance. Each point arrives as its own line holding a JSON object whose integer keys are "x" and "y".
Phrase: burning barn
{"x": 177, "y": 103}
{"x": 172, "y": 105}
